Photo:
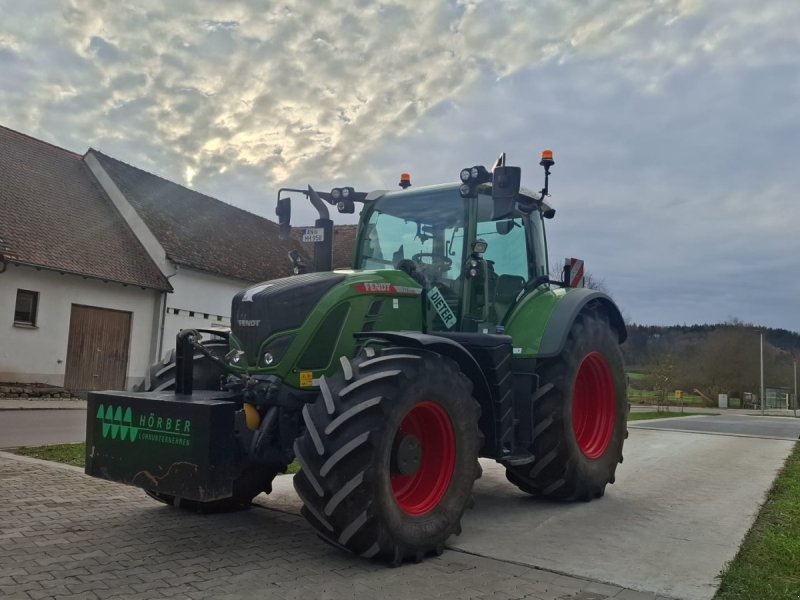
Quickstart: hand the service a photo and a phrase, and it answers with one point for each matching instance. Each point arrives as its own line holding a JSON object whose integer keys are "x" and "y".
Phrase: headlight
{"x": 235, "y": 357}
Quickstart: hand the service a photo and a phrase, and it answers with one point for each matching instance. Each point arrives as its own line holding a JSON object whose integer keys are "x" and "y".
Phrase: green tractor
{"x": 446, "y": 342}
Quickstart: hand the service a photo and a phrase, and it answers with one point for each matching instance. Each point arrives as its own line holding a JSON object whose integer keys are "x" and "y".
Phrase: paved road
{"x": 65, "y": 535}
{"x": 783, "y": 428}
{"x": 39, "y": 427}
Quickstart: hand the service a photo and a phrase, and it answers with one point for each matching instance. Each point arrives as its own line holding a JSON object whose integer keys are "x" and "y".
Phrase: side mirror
{"x": 505, "y": 227}
{"x": 505, "y": 189}
{"x": 284, "y": 212}
{"x": 298, "y": 265}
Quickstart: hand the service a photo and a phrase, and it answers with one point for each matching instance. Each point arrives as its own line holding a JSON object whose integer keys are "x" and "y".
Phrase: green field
{"x": 73, "y": 454}
{"x": 638, "y": 395}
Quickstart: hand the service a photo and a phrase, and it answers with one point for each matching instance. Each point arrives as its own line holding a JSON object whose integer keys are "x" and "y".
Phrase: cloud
{"x": 672, "y": 121}
{"x": 324, "y": 82}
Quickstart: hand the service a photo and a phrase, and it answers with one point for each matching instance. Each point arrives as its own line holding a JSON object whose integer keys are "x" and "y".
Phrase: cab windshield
{"x": 422, "y": 235}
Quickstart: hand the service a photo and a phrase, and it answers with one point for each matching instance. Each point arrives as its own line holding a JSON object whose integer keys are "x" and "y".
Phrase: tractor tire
{"x": 390, "y": 454}
{"x": 160, "y": 376}
{"x": 206, "y": 376}
{"x": 579, "y": 415}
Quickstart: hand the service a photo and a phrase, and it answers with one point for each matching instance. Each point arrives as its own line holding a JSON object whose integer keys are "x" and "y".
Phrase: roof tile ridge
{"x": 98, "y": 187}
{"x": 188, "y": 189}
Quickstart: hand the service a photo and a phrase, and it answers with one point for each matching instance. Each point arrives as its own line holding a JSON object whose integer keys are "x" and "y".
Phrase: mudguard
{"x": 442, "y": 345}
{"x": 567, "y": 310}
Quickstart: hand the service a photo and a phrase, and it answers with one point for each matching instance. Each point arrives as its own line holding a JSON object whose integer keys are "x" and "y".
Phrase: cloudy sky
{"x": 675, "y": 123}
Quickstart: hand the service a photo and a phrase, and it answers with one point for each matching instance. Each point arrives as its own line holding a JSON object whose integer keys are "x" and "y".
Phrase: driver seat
{"x": 505, "y": 292}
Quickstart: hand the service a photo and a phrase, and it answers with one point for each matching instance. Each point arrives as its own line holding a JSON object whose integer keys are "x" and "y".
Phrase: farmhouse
{"x": 102, "y": 263}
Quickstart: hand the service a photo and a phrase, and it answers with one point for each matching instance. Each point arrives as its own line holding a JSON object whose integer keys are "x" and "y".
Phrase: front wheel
{"x": 580, "y": 413}
{"x": 389, "y": 455}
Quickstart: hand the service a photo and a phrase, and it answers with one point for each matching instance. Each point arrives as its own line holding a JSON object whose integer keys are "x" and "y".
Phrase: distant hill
{"x": 713, "y": 358}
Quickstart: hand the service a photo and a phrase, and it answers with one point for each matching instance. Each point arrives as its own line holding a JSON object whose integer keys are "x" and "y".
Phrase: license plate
{"x": 314, "y": 234}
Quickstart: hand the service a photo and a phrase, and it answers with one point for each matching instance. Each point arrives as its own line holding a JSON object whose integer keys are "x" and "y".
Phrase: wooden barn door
{"x": 97, "y": 352}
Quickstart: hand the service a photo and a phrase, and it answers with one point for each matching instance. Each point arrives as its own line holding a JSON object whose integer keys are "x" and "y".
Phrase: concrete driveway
{"x": 678, "y": 512}
{"x": 682, "y": 503}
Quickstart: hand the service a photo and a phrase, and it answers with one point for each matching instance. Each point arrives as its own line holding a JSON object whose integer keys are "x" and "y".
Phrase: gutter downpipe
{"x": 163, "y": 317}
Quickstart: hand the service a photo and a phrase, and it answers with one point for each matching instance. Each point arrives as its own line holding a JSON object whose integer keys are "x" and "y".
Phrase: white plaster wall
{"x": 202, "y": 294}
{"x": 40, "y": 354}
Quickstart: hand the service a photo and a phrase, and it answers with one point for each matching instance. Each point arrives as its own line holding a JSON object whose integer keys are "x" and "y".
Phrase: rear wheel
{"x": 389, "y": 455}
{"x": 253, "y": 478}
{"x": 580, "y": 413}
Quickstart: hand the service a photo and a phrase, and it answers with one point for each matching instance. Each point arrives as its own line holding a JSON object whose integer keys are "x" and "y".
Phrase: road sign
{"x": 678, "y": 394}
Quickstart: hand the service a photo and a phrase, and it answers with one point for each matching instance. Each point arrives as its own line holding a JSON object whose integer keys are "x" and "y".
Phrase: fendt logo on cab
{"x": 248, "y": 322}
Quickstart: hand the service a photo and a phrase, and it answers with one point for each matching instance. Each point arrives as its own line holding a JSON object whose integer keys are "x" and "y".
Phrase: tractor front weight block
{"x": 175, "y": 444}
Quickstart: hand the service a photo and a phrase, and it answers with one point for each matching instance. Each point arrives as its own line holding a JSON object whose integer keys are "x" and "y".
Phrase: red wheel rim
{"x": 594, "y": 407}
{"x": 420, "y": 493}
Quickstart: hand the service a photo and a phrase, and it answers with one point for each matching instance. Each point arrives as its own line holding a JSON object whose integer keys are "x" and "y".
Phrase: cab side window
{"x": 507, "y": 261}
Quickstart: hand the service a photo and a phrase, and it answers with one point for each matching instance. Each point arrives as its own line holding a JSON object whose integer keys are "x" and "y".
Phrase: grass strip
{"x": 766, "y": 567}
{"x": 74, "y": 454}
{"x": 71, "y": 454}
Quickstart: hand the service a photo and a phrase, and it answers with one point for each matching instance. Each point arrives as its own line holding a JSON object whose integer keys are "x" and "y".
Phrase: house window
{"x": 25, "y": 308}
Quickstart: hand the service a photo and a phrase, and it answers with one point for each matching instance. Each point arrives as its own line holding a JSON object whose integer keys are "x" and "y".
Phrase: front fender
{"x": 441, "y": 345}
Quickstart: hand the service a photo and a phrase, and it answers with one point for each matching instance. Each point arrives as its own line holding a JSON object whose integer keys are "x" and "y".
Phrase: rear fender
{"x": 568, "y": 309}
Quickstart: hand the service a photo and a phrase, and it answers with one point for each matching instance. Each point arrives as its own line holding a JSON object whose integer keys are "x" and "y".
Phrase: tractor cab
{"x": 472, "y": 262}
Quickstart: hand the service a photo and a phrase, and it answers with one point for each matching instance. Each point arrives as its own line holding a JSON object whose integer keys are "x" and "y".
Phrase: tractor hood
{"x": 267, "y": 308}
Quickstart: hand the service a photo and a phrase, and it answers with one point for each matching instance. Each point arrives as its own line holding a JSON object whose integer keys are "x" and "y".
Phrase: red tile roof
{"x": 344, "y": 244}
{"x": 53, "y": 214}
{"x": 202, "y": 232}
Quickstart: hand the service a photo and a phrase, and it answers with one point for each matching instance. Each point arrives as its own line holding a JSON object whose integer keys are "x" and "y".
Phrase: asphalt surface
{"x": 41, "y": 427}
{"x": 782, "y": 428}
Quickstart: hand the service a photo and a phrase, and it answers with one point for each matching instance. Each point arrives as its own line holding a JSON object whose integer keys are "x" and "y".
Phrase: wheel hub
{"x": 594, "y": 408}
{"x": 425, "y": 448}
{"x": 407, "y": 455}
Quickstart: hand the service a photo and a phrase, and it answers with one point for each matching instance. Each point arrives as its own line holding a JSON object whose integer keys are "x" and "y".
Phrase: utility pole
{"x": 763, "y": 398}
{"x": 794, "y": 406}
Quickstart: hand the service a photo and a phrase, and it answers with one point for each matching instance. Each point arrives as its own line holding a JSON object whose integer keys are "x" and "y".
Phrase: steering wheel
{"x": 443, "y": 260}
